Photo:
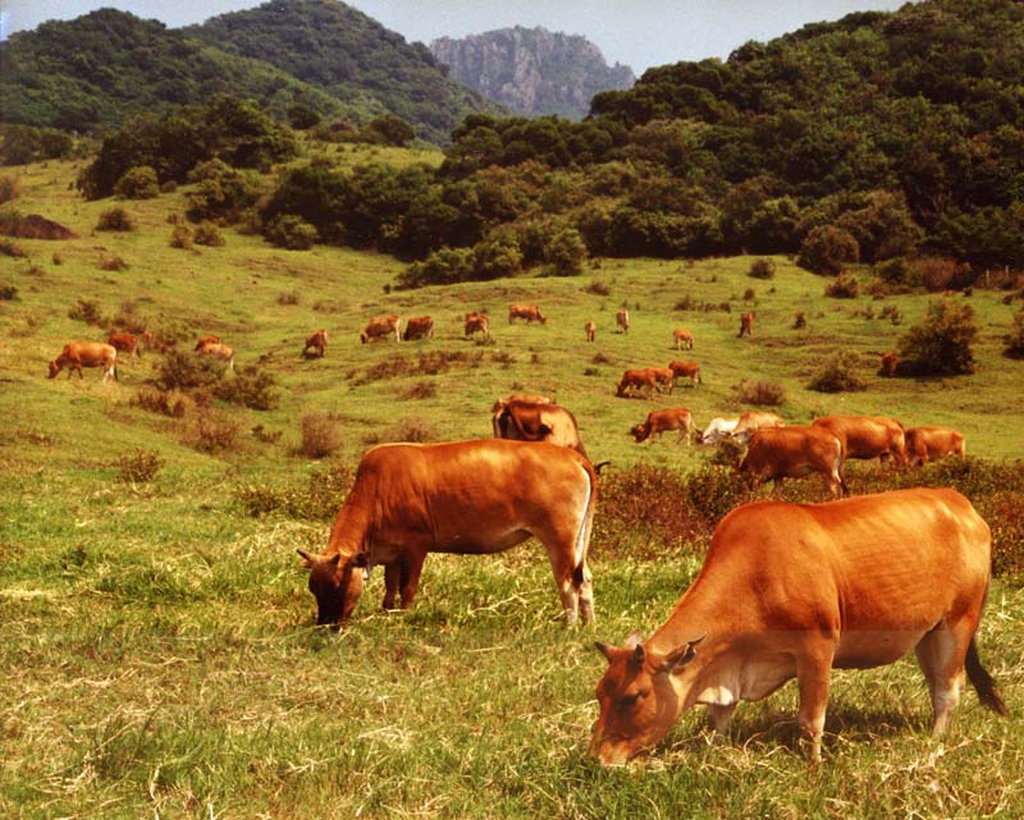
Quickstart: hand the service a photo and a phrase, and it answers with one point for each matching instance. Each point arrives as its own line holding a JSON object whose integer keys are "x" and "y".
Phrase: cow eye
{"x": 633, "y": 698}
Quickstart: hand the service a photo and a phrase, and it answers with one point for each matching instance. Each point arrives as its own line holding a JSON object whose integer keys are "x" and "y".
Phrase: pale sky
{"x": 637, "y": 33}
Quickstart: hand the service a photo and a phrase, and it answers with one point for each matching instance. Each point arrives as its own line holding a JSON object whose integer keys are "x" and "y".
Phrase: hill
{"x": 532, "y": 71}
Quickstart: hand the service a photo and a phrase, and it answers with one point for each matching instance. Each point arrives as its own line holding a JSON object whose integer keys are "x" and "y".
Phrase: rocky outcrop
{"x": 532, "y": 71}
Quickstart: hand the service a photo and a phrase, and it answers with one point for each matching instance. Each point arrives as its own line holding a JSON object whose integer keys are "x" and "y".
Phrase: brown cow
{"x": 931, "y": 443}
{"x": 622, "y": 320}
{"x": 422, "y": 327}
{"x": 664, "y": 377}
{"x": 526, "y": 398}
{"x": 222, "y": 352}
{"x": 658, "y": 421}
{"x": 777, "y": 453}
{"x": 77, "y": 355}
{"x": 127, "y": 343}
{"x": 380, "y": 327}
{"x": 206, "y": 340}
{"x": 318, "y": 342}
{"x": 463, "y": 497}
{"x": 889, "y": 362}
{"x": 542, "y": 421}
{"x": 477, "y": 323}
{"x": 590, "y": 329}
{"x": 746, "y": 324}
{"x": 752, "y": 420}
{"x": 686, "y": 370}
{"x": 683, "y": 339}
{"x": 531, "y": 313}
{"x": 795, "y": 590}
{"x": 866, "y": 437}
{"x": 642, "y": 379}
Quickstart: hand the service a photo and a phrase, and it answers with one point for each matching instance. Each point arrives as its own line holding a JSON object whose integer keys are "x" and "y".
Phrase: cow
{"x": 542, "y": 421}
{"x": 317, "y": 342}
{"x": 464, "y": 497}
{"x": 622, "y": 320}
{"x": 746, "y": 324}
{"x": 867, "y": 437}
{"x": 126, "y": 343}
{"x": 658, "y": 421}
{"x": 590, "y": 329}
{"x": 642, "y": 379}
{"x": 526, "y": 398}
{"x": 77, "y": 355}
{"x": 752, "y": 420}
{"x": 664, "y": 377}
{"x": 380, "y": 327}
{"x": 717, "y": 429}
{"x": 889, "y": 362}
{"x": 682, "y": 338}
{"x": 931, "y": 443}
{"x": 219, "y": 351}
{"x": 531, "y": 313}
{"x": 206, "y": 340}
{"x": 477, "y": 323}
{"x": 422, "y": 327}
{"x": 795, "y": 590}
{"x": 686, "y": 370}
{"x": 777, "y": 453}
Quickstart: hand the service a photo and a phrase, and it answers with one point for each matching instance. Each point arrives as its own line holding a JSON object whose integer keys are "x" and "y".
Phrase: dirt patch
{"x": 33, "y": 226}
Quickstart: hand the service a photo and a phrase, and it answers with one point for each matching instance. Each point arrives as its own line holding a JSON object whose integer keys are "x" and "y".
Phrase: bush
{"x": 88, "y": 311}
{"x": 250, "y": 388}
{"x": 8, "y": 293}
{"x": 112, "y": 262}
{"x": 115, "y": 219}
{"x": 139, "y": 467}
{"x": 941, "y": 343}
{"x": 598, "y": 288}
{"x": 762, "y": 393}
{"x": 9, "y": 247}
{"x": 172, "y": 403}
{"x": 320, "y": 435}
{"x": 826, "y": 250}
{"x": 181, "y": 237}
{"x": 206, "y": 233}
{"x": 799, "y": 320}
{"x": 10, "y": 188}
{"x": 939, "y": 273}
{"x": 1015, "y": 338}
{"x": 838, "y": 375}
{"x": 182, "y": 370}
{"x": 212, "y": 431}
{"x": 320, "y": 500}
{"x": 844, "y": 286}
{"x": 292, "y": 233}
{"x": 762, "y": 269}
{"x": 139, "y": 182}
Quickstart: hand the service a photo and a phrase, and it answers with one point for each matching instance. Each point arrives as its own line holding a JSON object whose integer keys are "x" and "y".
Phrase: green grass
{"x": 156, "y": 650}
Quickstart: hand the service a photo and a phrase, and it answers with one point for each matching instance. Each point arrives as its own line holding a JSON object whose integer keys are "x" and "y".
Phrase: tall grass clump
{"x": 838, "y": 375}
{"x": 761, "y": 392}
{"x": 139, "y": 467}
{"x": 321, "y": 436}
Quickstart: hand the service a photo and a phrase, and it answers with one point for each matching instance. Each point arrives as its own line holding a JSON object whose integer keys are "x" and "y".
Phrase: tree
{"x": 941, "y": 343}
{"x": 826, "y": 250}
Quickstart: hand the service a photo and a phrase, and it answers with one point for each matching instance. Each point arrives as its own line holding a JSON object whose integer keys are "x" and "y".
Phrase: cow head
{"x": 336, "y": 582}
{"x": 639, "y": 697}
{"x": 641, "y": 432}
{"x": 54, "y": 368}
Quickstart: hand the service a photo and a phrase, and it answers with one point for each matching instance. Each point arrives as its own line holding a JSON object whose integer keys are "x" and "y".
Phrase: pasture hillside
{"x": 157, "y": 655}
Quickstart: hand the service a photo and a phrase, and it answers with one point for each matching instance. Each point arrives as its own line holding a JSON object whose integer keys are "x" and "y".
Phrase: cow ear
{"x": 307, "y": 560}
{"x": 605, "y": 650}
{"x": 681, "y": 656}
{"x": 633, "y": 640}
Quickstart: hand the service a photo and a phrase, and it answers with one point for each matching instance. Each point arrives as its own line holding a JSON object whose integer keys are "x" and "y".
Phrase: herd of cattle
{"x": 786, "y": 590}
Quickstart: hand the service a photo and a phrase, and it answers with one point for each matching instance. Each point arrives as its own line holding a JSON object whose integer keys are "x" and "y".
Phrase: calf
{"x": 683, "y": 339}
{"x": 206, "y": 340}
{"x": 221, "y": 352}
{"x": 932, "y": 443}
{"x": 746, "y": 324}
{"x": 658, "y": 421}
{"x": 318, "y": 343}
{"x": 777, "y": 453}
{"x": 380, "y": 327}
{"x": 422, "y": 327}
{"x": 477, "y": 323}
{"x": 531, "y": 313}
{"x": 126, "y": 343}
{"x": 686, "y": 370}
{"x": 622, "y": 320}
{"x": 889, "y": 362}
{"x": 637, "y": 380}
{"x": 590, "y": 329}
{"x": 77, "y": 355}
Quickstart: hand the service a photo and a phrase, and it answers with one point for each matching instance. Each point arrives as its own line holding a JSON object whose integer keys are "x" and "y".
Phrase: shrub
{"x": 172, "y": 403}
{"x": 8, "y": 293}
{"x": 938, "y": 273}
{"x": 414, "y": 430}
{"x": 749, "y": 295}
{"x": 292, "y": 233}
{"x": 139, "y": 182}
{"x": 799, "y": 320}
{"x": 112, "y": 262}
{"x": 320, "y": 435}
{"x": 892, "y": 271}
{"x": 320, "y": 500}
{"x": 761, "y": 392}
{"x": 10, "y": 188}
{"x": 206, "y": 233}
{"x": 212, "y": 431}
{"x": 420, "y": 390}
{"x": 115, "y": 219}
{"x": 827, "y": 249}
{"x": 181, "y": 237}
{"x": 838, "y": 375}
{"x": 941, "y": 343}
{"x": 250, "y": 388}
{"x": 844, "y": 286}
{"x": 139, "y": 467}
{"x": 762, "y": 269}
{"x": 88, "y": 311}
{"x": 892, "y": 313}
{"x": 290, "y": 298}
{"x": 1015, "y": 338}
{"x": 598, "y": 288}
{"x": 181, "y": 370}
{"x": 8, "y": 247}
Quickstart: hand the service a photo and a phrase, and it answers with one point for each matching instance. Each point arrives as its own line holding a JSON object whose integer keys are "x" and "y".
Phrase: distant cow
{"x": 637, "y": 380}
{"x": 746, "y": 324}
{"x": 622, "y": 320}
{"x": 664, "y": 377}
{"x": 531, "y": 313}
{"x": 658, "y": 421}
{"x": 422, "y": 327}
{"x": 477, "y": 323}
{"x": 317, "y": 342}
{"x": 931, "y": 443}
{"x": 590, "y": 329}
{"x": 126, "y": 343}
{"x": 219, "y": 351}
{"x": 889, "y": 362}
{"x": 380, "y": 327}
{"x": 752, "y": 420}
{"x": 777, "y": 453}
{"x": 206, "y": 340}
{"x": 683, "y": 339}
{"x": 686, "y": 370}
{"x": 528, "y": 421}
{"x": 77, "y": 355}
{"x": 717, "y": 429}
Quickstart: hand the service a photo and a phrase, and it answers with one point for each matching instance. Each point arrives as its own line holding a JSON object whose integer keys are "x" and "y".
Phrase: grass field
{"x": 157, "y": 653}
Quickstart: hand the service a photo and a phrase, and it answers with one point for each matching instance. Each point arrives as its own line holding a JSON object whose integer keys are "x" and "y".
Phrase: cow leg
{"x": 940, "y": 654}
{"x": 412, "y": 566}
{"x": 392, "y": 576}
{"x": 719, "y": 717}
{"x": 812, "y": 674}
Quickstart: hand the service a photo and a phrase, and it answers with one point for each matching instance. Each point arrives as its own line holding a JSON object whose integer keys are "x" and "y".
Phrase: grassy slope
{"x": 155, "y": 651}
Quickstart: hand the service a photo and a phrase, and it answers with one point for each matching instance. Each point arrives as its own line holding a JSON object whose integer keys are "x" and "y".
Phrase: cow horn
{"x": 307, "y": 559}
{"x": 604, "y": 649}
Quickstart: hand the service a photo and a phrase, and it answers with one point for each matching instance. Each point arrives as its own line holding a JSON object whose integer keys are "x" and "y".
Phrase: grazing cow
{"x": 795, "y": 590}
{"x": 422, "y": 327}
{"x": 477, "y": 323}
{"x": 206, "y": 340}
{"x": 463, "y": 497}
{"x": 683, "y": 339}
{"x": 746, "y": 324}
{"x": 590, "y": 329}
{"x": 543, "y": 421}
{"x": 642, "y": 379}
{"x": 664, "y": 377}
{"x": 380, "y": 327}
{"x": 318, "y": 343}
{"x": 866, "y": 437}
{"x": 219, "y": 351}
{"x": 889, "y": 362}
{"x": 658, "y": 421}
{"x": 526, "y": 398}
{"x": 932, "y": 443}
{"x": 717, "y": 429}
{"x": 752, "y": 420}
{"x": 686, "y": 370}
{"x": 531, "y": 313}
{"x": 77, "y": 355}
{"x": 777, "y": 453}
{"x": 622, "y": 320}
{"x": 126, "y": 343}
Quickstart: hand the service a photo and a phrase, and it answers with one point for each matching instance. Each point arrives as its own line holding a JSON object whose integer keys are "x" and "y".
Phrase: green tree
{"x": 941, "y": 344}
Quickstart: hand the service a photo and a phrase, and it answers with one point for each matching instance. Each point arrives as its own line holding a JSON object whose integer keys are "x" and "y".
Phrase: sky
{"x": 637, "y": 33}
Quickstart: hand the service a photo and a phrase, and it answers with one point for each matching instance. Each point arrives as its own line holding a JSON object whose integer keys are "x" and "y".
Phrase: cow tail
{"x": 586, "y": 528}
{"x": 982, "y": 681}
